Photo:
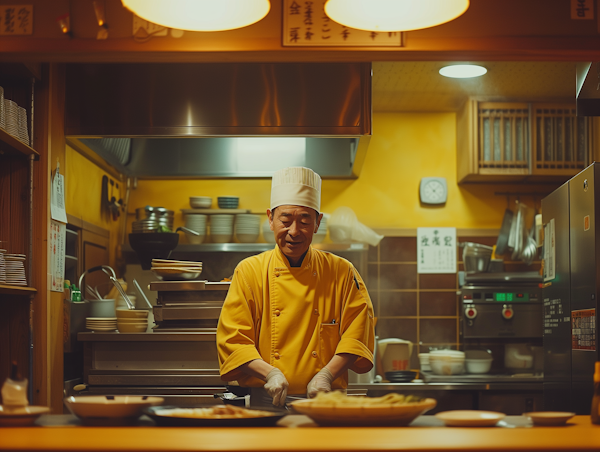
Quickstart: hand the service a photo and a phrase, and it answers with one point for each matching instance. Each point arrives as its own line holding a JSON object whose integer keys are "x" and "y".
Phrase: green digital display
{"x": 511, "y": 296}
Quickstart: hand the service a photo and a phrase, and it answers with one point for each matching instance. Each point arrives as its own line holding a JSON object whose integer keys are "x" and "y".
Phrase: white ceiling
{"x": 417, "y": 86}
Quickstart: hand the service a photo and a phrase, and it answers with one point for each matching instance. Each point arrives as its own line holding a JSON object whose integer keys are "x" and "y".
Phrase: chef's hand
{"x": 321, "y": 382}
{"x": 277, "y": 387}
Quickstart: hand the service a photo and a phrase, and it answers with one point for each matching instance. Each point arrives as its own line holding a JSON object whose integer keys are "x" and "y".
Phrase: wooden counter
{"x": 298, "y": 433}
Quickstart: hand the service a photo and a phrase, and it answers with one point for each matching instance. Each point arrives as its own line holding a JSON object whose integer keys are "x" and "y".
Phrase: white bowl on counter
{"x": 447, "y": 362}
{"x": 98, "y": 408}
{"x": 478, "y": 361}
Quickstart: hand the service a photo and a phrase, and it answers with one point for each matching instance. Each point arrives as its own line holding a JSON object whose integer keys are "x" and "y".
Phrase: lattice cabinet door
{"x": 561, "y": 140}
{"x": 503, "y": 138}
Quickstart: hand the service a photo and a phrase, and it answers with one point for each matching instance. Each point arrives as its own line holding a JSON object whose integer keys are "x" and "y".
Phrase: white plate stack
{"x": 12, "y": 117}
{"x": 15, "y": 269}
{"x": 101, "y": 323}
{"x": 247, "y": 227}
{"x": 268, "y": 235}
{"x": 2, "y": 110}
{"x": 23, "y": 135}
{"x": 2, "y": 267}
{"x": 221, "y": 228}
{"x": 196, "y": 222}
{"x": 322, "y": 232}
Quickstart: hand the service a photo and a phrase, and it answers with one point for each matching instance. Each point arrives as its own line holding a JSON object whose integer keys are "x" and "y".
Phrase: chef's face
{"x": 294, "y": 227}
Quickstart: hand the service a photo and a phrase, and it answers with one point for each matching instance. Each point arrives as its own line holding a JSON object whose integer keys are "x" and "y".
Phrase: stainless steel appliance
{"x": 571, "y": 289}
{"x": 178, "y": 360}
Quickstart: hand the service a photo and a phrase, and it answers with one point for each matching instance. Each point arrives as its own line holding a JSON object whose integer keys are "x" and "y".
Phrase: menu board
{"x": 305, "y": 24}
{"x": 436, "y": 250}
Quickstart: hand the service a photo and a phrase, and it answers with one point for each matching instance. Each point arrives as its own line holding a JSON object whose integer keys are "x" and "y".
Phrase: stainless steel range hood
{"x": 221, "y": 120}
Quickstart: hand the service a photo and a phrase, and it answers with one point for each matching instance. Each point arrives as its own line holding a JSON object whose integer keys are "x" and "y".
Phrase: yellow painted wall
{"x": 83, "y": 184}
{"x": 404, "y": 148}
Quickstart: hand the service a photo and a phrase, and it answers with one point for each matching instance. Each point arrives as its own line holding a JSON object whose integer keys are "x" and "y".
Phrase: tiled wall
{"x": 420, "y": 308}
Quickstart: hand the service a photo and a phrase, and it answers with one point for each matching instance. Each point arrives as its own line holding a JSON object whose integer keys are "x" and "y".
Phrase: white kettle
{"x": 394, "y": 354}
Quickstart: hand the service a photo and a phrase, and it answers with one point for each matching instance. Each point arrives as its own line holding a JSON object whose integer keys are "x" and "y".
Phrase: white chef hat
{"x": 296, "y": 186}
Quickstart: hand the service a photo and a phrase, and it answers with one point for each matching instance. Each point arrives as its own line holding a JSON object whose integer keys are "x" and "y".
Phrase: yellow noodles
{"x": 336, "y": 398}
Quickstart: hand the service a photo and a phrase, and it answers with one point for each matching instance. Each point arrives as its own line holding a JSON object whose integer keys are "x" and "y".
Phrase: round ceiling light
{"x": 463, "y": 71}
{"x": 394, "y": 15}
{"x": 200, "y": 15}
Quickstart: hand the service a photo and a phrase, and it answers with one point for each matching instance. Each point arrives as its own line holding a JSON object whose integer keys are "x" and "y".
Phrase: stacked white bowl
{"x": 221, "y": 228}
{"x": 200, "y": 202}
{"x": 322, "y": 232}
{"x": 447, "y": 362}
{"x": 196, "y": 222}
{"x": 12, "y": 117}
{"x": 247, "y": 227}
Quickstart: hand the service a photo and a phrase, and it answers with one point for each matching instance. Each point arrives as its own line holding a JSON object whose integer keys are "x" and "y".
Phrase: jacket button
{"x": 276, "y": 355}
{"x": 277, "y": 273}
{"x": 314, "y": 354}
{"x": 277, "y": 312}
{"x": 316, "y": 312}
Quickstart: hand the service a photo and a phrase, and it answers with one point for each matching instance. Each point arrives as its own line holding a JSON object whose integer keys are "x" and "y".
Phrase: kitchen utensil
{"x": 502, "y": 241}
{"x": 549, "y": 417}
{"x": 476, "y": 256}
{"x": 187, "y": 230}
{"x": 100, "y": 409}
{"x": 372, "y": 414}
{"x": 395, "y": 354}
{"x": 177, "y": 416}
{"x": 470, "y": 418}
{"x": 141, "y": 292}
{"x": 149, "y": 246}
{"x": 530, "y": 248}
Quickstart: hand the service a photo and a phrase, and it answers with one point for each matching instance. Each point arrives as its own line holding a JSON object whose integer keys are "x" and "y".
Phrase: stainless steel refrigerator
{"x": 571, "y": 290}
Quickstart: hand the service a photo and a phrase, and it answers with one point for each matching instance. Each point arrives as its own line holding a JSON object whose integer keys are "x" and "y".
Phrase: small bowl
{"x": 228, "y": 202}
{"x": 92, "y": 409}
{"x": 200, "y": 202}
{"x": 478, "y": 366}
{"x": 400, "y": 376}
{"x": 131, "y": 314}
{"x": 131, "y": 327}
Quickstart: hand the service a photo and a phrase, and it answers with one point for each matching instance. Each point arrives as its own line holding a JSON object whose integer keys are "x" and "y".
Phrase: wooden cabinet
{"x": 16, "y": 211}
{"x": 521, "y": 141}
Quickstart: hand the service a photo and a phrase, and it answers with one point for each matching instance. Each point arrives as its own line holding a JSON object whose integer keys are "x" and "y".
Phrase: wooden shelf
{"x": 214, "y": 211}
{"x": 11, "y": 145}
{"x": 6, "y": 289}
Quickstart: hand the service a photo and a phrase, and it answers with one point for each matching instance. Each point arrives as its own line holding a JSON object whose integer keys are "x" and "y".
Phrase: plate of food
{"x": 215, "y": 416}
{"x": 336, "y": 408}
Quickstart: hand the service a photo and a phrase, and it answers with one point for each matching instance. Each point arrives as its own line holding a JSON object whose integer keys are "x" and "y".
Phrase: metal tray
{"x": 181, "y": 421}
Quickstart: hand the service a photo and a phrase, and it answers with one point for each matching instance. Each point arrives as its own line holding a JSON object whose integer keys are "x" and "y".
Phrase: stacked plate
{"x": 268, "y": 235}
{"x": 23, "y": 135}
{"x": 196, "y": 222}
{"x": 247, "y": 227}
{"x": 12, "y": 117}
{"x": 322, "y": 232}
{"x": 101, "y": 323}
{"x": 14, "y": 265}
{"x": 170, "y": 270}
{"x": 2, "y": 111}
{"x": 2, "y": 267}
{"x": 221, "y": 228}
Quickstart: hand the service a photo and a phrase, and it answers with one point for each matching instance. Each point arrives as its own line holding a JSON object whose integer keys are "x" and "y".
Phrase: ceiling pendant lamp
{"x": 200, "y": 15}
{"x": 394, "y": 15}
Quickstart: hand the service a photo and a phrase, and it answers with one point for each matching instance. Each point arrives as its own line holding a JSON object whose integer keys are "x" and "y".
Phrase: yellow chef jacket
{"x": 295, "y": 318}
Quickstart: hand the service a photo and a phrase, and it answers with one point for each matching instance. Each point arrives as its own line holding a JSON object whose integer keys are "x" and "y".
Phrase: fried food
{"x": 337, "y": 398}
{"x": 214, "y": 412}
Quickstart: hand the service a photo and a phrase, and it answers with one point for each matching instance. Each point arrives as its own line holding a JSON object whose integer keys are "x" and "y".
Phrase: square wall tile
{"x": 373, "y": 253}
{"x": 400, "y": 328}
{"x": 393, "y": 304}
{"x": 398, "y": 249}
{"x": 372, "y": 277}
{"x": 438, "y": 304}
{"x": 437, "y": 330}
{"x": 397, "y": 276}
{"x": 437, "y": 281}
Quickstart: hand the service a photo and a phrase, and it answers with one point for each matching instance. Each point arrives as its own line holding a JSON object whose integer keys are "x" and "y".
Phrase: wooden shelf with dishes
{"x": 12, "y": 146}
{"x": 7, "y": 289}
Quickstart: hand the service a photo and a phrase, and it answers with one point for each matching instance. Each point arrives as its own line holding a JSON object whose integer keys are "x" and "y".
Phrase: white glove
{"x": 277, "y": 387}
{"x": 321, "y": 382}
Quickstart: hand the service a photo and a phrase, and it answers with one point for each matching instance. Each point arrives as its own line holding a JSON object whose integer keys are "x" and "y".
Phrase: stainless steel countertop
{"x": 419, "y": 385}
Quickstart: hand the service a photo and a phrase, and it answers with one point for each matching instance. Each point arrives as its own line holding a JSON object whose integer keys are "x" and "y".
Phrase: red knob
{"x": 507, "y": 313}
{"x": 470, "y": 313}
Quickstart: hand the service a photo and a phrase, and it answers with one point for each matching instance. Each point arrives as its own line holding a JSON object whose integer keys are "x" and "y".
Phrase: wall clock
{"x": 433, "y": 190}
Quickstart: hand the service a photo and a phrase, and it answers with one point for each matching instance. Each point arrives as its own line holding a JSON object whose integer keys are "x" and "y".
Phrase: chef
{"x": 295, "y": 318}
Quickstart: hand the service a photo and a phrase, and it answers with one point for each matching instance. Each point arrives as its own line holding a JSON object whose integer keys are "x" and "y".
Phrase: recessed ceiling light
{"x": 394, "y": 15}
{"x": 200, "y": 15}
{"x": 463, "y": 71}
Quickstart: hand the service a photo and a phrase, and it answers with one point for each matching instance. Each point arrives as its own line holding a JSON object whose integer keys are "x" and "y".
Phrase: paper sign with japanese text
{"x": 58, "y": 211}
{"x": 16, "y": 20}
{"x": 58, "y": 237}
{"x": 436, "y": 250}
{"x": 306, "y": 24}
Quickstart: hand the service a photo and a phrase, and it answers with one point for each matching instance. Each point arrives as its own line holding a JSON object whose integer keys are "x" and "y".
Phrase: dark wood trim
{"x": 7, "y": 289}
{"x": 87, "y": 226}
